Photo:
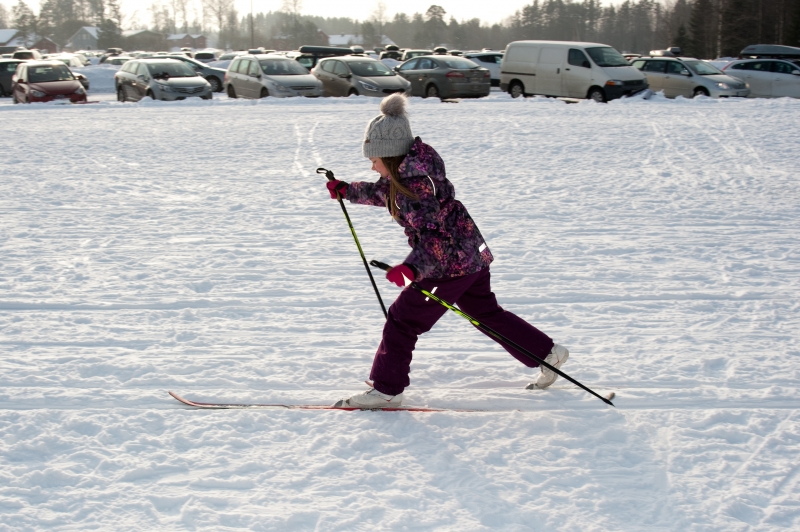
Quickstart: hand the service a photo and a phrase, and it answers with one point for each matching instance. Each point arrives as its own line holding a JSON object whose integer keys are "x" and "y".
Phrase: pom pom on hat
{"x": 389, "y": 134}
{"x": 394, "y": 105}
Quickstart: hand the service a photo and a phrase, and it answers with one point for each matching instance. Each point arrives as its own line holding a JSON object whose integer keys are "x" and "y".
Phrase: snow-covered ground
{"x": 190, "y": 246}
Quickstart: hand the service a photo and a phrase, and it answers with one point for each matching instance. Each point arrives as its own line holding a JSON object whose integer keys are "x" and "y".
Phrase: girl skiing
{"x": 448, "y": 256}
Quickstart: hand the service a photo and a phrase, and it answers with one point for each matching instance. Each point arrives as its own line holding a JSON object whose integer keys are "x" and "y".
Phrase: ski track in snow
{"x": 191, "y": 246}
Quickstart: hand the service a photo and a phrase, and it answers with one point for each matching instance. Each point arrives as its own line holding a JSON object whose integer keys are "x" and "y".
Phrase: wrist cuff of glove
{"x": 413, "y": 270}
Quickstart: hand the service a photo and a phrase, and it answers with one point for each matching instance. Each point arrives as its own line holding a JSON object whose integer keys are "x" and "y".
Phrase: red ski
{"x": 260, "y": 406}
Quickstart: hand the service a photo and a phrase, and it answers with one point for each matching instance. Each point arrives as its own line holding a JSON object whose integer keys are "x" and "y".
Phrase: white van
{"x": 568, "y": 69}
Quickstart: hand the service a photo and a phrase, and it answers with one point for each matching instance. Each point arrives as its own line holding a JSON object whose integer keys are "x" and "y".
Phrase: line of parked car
{"x": 550, "y": 68}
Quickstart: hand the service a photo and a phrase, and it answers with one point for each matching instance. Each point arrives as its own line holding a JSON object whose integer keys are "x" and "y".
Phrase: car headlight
{"x": 746, "y": 85}
{"x": 723, "y": 86}
{"x": 615, "y": 83}
{"x": 165, "y": 88}
{"x": 281, "y": 88}
{"x": 368, "y": 86}
{"x": 80, "y": 90}
{"x": 38, "y": 94}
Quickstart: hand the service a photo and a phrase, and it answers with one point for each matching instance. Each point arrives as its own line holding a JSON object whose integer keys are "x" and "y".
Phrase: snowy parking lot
{"x": 190, "y": 246}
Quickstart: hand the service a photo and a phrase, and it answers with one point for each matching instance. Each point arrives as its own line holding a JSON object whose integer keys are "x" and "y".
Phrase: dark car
{"x": 356, "y": 75}
{"x": 214, "y": 76}
{"x": 7, "y": 69}
{"x": 159, "y": 79}
{"x": 446, "y": 76}
{"x": 309, "y": 56}
{"x": 45, "y": 81}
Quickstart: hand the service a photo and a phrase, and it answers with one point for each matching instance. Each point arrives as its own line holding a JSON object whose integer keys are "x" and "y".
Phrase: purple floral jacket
{"x": 444, "y": 240}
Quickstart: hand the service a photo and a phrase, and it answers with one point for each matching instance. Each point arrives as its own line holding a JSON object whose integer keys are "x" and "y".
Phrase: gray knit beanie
{"x": 389, "y": 134}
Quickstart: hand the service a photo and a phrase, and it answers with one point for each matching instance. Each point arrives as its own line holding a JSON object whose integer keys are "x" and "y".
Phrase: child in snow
{"x": 448, "y": 256}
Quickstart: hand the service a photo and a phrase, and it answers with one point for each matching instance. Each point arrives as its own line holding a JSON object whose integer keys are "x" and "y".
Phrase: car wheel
{"x": 264, "y": 93}
{"x": 596, "y": 94}
{"x": 150, "y": 95}
{"x": 431, "y": 91}
{"x": 699, "y": 91}
{"x": 216, "y": 86}
{"x": 231, "y": 92}
{"x": 2, "y": 92}
{"x": 352, "y": 92}
{"x": 516, "y": 89}
{"x": 120, "y": 95}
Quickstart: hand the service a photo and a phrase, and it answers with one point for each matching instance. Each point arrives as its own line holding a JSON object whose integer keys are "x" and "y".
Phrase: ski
{"x": 279, "y": 406}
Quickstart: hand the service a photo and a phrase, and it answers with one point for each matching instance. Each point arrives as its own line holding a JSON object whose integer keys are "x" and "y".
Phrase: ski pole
{"x": 491, "y": 332}
{"x": 329, "y": 175}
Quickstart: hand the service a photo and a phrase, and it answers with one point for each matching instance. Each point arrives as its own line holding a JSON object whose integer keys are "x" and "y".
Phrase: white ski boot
{"x": 370, "y": 400}
{"x": 558, "y": 355}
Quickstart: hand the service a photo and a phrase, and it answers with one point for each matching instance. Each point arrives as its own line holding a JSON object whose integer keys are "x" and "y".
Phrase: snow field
{"x": 190, "y": 246}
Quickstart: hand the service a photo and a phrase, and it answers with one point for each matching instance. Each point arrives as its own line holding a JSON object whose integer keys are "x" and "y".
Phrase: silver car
{"x": 358, "y": 75}
{"x": 212, "y": 75}
{"x": 262, "y": 75}
{"x": 159, "y": 79}
{"x": 689, "y": 77}
{"x": 768, "y": 78}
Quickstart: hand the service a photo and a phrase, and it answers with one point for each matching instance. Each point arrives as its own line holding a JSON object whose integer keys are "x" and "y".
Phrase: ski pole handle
{"x": 382, "y": 265}
{"x": 328, "y": 173}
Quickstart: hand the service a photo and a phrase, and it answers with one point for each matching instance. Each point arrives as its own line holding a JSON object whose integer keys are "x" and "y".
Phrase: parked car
{"x": 767, "y": 78}
{"x": 309, "y": 56}
{"x": 571, "y": 69}
{"x": 771, "y": 51}
{"x": 211, "y": 74}
{"x": 229, "y": 56}
{"x": 206, "y": 56}
{"x": 72, "y": 61}
{"x": 259, "y": 76}
{"x": 356, "y": 75}
{"x": 7, "y": 69}
{"x": 45, "y": 81}
{"x": 34, "y": 55}
{"x": 159, "y": 79}
{"x": 118, "y": 60}
{"x": 445, "y": 76}
{"x": 110, "y": 52}
{"x": 410, "y": 54}
{"x": 490, "y": 61}
{"x": 689, "y": 77}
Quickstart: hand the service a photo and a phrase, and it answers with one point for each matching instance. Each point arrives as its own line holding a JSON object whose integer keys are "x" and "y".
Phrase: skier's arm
{"x": 366, "y": 193}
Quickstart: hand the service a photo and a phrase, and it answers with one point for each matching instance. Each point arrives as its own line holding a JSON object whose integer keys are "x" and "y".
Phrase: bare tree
{"x": 217, "y": 10}
{"x": 379, "y": 19}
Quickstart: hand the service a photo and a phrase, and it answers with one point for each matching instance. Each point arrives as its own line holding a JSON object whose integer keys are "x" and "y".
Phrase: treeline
{"x": 703, "y": 28}
{"x": 60, "y": 19}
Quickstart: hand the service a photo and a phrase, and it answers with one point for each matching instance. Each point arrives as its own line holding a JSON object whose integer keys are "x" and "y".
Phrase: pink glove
{"x": 336, "y": 186}
{"x": 395, "y": 275}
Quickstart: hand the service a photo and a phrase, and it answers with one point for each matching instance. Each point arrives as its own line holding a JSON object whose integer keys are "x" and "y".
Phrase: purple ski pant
{"x": 410, "y": 315}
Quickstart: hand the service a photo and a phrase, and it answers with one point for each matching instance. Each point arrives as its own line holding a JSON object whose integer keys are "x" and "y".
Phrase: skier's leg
{"x": 409, "y": 316}
{"x": 480, "y": 302}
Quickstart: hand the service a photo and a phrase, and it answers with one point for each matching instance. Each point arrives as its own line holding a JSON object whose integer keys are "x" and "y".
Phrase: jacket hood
{"x": 422, "y": 160}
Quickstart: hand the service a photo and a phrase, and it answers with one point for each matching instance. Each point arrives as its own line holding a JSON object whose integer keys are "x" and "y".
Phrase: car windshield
{"x": 460, "y": 64}
{"x": 369, "y": 69}
{"x": 170, "y": 70}
{"x": 701, "y": 68}
{"x": 282, "y": 67}
{"x": 43, "y": 74}
{"x": 607, "y": 57}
